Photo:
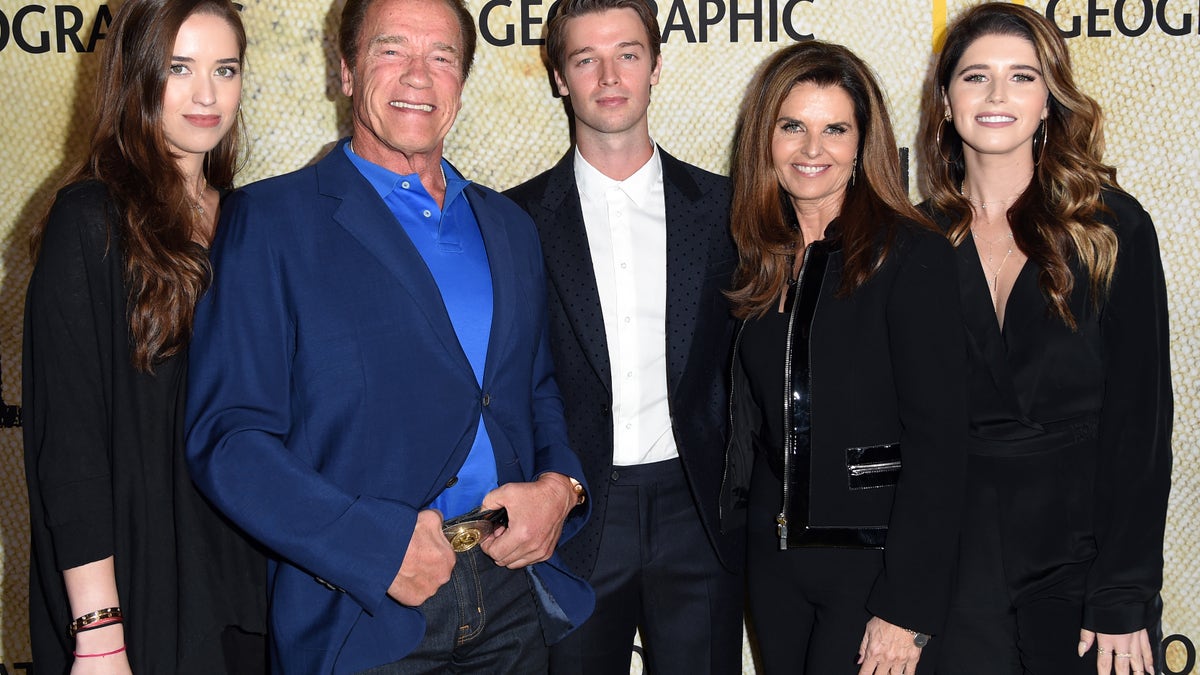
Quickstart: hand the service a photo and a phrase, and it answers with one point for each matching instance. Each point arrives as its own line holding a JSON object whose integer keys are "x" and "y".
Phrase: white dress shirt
{"x": 626, "y": 223}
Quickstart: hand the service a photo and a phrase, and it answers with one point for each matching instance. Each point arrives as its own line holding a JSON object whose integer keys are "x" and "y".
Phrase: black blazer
{"x": 886, "y": 365}
{"x": 700, "y": 263}
{"x": 1112, "y": 377}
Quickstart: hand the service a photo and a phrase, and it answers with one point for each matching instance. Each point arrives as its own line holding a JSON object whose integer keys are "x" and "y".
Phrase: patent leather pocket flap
{"x": 873, "y": 466}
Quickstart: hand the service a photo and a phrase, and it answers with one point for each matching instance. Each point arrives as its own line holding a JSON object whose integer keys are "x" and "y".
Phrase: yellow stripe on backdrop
{"x": 1135, "y": 56}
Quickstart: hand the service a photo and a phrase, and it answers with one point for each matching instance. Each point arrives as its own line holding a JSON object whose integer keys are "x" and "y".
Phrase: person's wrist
{"x": 103, "y": 639}
{"x": 919, "y": 639}
{"x": 564, "y": 484}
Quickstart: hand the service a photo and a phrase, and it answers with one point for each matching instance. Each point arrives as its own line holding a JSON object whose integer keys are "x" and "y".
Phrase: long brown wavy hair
{"x": 164, "y": 270}
{"x": 1055, "y": 220}
{"x": 762, "y": 217}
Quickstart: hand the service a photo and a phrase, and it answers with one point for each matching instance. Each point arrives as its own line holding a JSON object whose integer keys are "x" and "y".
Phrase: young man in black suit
{"x": 638, "y": 252}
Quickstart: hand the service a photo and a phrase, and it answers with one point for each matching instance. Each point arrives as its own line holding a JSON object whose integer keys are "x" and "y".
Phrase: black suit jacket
{"x": 886, "y": 365}
{"x": 700, "y": 262}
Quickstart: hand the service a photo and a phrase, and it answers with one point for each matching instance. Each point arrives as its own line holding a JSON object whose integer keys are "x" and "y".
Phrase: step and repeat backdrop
{"x": 1137, "y": 57}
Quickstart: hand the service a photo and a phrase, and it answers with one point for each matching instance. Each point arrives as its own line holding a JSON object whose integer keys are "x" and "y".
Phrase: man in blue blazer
{"x": 373, "y": 353}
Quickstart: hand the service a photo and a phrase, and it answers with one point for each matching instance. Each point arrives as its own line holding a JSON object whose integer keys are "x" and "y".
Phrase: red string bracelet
{"x": 91, "y": 656}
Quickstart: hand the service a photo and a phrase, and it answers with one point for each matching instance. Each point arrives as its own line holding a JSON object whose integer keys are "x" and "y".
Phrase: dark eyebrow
{"x": 983, "y": 66}
{"x": 188, "y": 59}
{"x": 577, "y": 52}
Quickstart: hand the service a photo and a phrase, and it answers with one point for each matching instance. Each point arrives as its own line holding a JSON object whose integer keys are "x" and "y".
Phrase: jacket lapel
{"x": 569, "y": 264}
{"x": 688, "y": 250}
{"x": 983, "y": 331}
{"x": 365, "y": 216}
{"x": 503, "y": 272}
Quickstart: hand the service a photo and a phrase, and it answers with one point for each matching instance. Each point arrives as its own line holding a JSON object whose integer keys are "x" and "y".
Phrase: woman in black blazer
{"x": 847, "y": 456}
{"x": 1068, "y": 381}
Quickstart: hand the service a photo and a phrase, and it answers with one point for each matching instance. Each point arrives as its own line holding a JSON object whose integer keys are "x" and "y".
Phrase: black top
{"x": 1107, "y": 386}
{"x": 105, "y": 466}
{"x": 760, "y": 351}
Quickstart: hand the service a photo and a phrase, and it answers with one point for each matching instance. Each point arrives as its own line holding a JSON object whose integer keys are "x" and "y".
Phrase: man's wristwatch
{"x": 577, "y": 488}
{"x": 919, "y": 639}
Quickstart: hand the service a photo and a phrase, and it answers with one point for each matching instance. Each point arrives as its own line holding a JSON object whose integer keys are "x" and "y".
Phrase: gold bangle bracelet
{"x": 92, "y": 617}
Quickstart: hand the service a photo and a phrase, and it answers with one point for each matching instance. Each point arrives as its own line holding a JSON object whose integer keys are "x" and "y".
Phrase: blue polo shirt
{"x": 449, "y": 241}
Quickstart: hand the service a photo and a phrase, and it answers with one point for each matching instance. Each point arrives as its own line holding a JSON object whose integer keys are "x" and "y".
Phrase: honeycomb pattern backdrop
{"x": 1134, "y": 57}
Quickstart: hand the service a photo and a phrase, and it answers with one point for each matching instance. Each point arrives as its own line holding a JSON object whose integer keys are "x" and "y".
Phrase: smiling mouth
{"x": 810, "y": 170}
{"x": 204, "y": 121}
{"x": 423, "y": 107}
{"x": 995, "y": 119}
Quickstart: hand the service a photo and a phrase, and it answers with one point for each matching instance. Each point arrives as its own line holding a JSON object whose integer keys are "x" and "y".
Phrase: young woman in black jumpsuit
{"x": 1068, "y": 377}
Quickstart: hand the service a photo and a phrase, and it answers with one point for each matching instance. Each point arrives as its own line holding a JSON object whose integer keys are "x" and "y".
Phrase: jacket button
{"x": 487, "y": 400}
{"x": 604, "y": 409}
{"x": 450, "y": 483}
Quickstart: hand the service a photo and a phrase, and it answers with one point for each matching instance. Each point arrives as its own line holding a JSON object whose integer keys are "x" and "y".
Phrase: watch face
{"x": 920, "y": 639}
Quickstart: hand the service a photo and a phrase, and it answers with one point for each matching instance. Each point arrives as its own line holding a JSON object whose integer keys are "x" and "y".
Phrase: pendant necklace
{"x": 198, "y": 203}
{"x": 994, "y": 272}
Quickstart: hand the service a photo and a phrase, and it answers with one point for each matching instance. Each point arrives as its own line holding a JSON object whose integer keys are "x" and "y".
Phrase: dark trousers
{"x": 807, "y": 606}
{"x": 993, "y": 630}
{"x": 484, "y": 620}
{"x": 655, "y": 570}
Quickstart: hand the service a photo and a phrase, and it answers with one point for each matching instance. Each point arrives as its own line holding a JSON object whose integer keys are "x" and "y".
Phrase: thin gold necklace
{"x": 995, "y": 273}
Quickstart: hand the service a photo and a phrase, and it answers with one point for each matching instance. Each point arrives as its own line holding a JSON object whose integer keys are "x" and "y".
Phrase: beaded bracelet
{"x": 92, "y": 617}
{"x": 92, "y": 656}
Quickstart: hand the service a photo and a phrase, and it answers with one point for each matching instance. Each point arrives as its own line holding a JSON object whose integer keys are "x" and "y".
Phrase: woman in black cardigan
{"x": 1068, "y": 380}
{"x": 847, "y": 456}
{"x": 132, "y": 570}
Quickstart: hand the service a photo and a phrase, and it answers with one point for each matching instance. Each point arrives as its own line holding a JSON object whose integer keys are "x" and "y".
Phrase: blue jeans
{"x": 484, "y": 620}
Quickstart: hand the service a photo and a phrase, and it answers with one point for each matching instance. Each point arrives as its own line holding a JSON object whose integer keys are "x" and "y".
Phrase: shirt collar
{"x": 637, "y": 187}
{"x": 385, "y": 181}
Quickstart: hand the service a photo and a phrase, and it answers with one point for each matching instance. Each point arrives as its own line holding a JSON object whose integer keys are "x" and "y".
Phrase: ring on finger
{"x": 1119, "y": 655}
{"x": 1100, "y": 651}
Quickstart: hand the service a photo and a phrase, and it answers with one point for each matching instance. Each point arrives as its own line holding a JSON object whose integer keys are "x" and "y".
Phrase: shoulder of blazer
{"x": 690, "y": 179}
{"x": 547, "y": 189}
{"x": 1124, "y": 214}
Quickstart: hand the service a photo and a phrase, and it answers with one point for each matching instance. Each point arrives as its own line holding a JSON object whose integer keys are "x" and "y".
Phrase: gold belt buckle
{"x": 466, "y": 531}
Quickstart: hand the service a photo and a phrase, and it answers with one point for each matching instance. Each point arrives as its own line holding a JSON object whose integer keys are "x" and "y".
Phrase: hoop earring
{"x": 937, "y": 138}
{"x": 1041, "y": 152}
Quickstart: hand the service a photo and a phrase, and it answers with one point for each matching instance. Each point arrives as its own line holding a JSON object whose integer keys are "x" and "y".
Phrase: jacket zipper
{"x": 873, "y": 467}
{"x": 789, "y": 441}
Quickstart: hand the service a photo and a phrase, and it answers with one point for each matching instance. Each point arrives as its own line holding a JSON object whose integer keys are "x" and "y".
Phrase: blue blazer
{"x": 329, "y": 401}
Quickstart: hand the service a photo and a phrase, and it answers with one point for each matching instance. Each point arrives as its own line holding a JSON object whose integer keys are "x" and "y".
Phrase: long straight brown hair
{"x": 1056, "y": 219}
{"x": 761, "y": 214}
{"x": 165, "y": 271}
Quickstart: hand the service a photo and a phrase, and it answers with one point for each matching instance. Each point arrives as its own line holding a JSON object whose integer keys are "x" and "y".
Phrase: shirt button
{"x": 427, "y": 213}
{"x": 627, "y": 319}
{"x": 624, "y": 265}
{"x": 452, "y": 482}
{"x": 487, "y": 400}
{"x": 404, "y": 185}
